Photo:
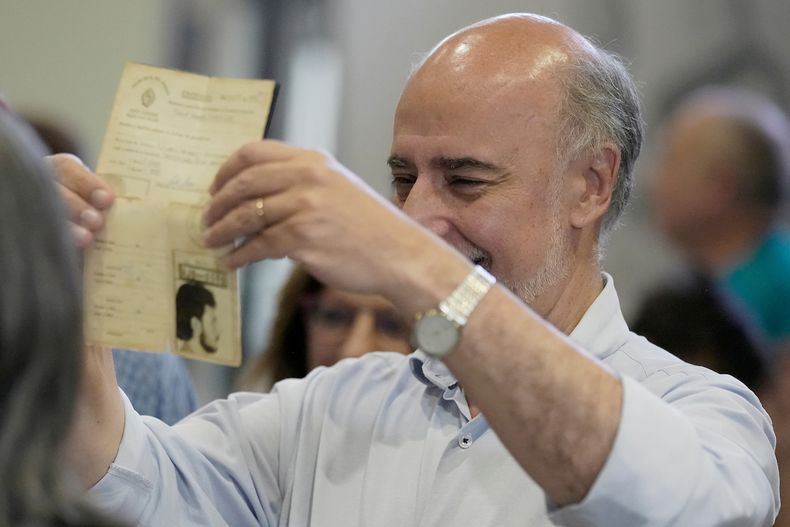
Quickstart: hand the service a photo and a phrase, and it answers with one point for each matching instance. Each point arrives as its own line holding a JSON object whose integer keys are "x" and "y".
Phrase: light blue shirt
{"x": 387, "y": 440}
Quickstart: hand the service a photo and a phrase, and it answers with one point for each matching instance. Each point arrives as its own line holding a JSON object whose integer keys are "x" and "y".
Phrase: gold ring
{"x": 259, "y": 212}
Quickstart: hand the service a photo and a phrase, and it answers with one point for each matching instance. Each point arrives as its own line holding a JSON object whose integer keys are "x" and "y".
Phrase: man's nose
{"x": 425, "y": 205}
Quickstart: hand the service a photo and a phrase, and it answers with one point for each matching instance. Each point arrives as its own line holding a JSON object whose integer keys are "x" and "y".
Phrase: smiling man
{"x": 529, "y": 401}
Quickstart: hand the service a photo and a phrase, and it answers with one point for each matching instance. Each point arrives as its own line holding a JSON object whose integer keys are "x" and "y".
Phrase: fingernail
{"x": 91, "y": 219}
{"x": 82, "y": 236}
{"x": 100, "y": 198}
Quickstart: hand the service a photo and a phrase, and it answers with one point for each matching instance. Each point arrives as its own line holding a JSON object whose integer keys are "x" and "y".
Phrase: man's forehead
{"x": 516, "y": 45}
{"x": 441, "y": 100}
{"x": 446, "y": 149}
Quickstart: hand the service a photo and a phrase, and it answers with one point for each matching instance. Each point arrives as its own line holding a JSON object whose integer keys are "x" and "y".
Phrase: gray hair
{"x": 40, "y": 338}
{"x": 600, "y": 104}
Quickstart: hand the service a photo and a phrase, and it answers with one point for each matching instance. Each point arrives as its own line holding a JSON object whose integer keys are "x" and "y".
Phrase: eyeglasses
{"x": 341, "y": 317}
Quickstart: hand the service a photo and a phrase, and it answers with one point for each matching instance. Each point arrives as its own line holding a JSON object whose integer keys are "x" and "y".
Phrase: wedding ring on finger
{"x": 259, "y": 211}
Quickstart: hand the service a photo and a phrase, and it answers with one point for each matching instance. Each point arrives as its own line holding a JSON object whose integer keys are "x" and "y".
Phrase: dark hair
{"x": 40, "y": 338}
{"x": 191, "y": 301}
{"x": 699, "y": 323}
{"x": 285, "y": 355}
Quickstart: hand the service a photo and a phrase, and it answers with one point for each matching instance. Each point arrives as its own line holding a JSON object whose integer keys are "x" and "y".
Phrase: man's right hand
{"x": 99, "y": 417}
{"x": 86, "y": 195}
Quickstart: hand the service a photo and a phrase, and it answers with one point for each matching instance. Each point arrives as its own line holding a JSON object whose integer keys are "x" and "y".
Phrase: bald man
{"x": 528, "y": 402}
{"x": 721, "y": 179}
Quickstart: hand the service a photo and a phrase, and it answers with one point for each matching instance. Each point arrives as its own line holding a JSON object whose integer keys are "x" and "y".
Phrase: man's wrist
{"x": 438, "y": 331}
{"x": 419, "y": 283}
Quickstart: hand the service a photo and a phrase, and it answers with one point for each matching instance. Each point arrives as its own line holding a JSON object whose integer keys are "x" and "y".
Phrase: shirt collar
{"x": 601, "y": 330}
{"x": 431, "y": 371}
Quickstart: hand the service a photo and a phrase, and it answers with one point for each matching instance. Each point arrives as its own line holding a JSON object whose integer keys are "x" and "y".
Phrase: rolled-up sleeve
{"x": 701, "y": 454}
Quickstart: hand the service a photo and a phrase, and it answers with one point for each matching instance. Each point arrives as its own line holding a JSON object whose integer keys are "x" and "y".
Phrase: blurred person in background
{"x": 41, "y": 343}
{"x": 696, "y": 321}
{"x": 721, "y": 180}
{"x": 720, "y": 184}
{"x": 318, "y": 325}
{"x": 158, "y": 384}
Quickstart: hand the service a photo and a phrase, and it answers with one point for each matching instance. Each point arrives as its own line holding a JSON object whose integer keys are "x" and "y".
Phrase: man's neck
{"x": 574, "y": 296}
{"x": 564, "y": 304}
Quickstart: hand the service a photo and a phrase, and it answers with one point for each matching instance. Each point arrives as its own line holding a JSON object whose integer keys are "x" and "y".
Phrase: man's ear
{"x": 593, "y": 185}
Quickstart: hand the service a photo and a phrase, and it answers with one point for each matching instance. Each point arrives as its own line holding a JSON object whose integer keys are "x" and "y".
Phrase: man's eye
{"x": 401, "y": 186}
{"x": 463, "y": 184}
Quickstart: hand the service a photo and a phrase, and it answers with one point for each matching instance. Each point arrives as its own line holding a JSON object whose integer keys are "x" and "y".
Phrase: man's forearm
{"x": 98, "y": 419}
{"x": 555, "y": 408}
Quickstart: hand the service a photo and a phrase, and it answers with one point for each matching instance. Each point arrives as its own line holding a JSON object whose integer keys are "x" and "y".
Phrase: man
{"x": 513, "y": 147}
{"x": 721, "y": 180}
{"x": 196, "y": 318}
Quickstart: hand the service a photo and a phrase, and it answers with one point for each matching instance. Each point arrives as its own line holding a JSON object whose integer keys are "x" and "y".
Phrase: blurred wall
{"x": 64, "y": 59}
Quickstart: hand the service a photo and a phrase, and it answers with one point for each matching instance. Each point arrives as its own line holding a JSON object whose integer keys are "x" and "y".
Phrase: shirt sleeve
{"x": 217, "y": 467}
{"x": 702, "y": 454}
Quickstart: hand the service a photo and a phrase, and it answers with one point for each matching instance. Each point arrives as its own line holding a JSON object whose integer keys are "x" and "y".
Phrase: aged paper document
{"x": 150, "y": 285}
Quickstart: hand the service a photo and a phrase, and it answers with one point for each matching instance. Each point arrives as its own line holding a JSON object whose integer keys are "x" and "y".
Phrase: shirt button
{"x": 465, "y": 441}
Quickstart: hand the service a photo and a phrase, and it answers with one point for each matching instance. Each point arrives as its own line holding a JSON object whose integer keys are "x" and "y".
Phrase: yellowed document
{"x": 150, "y": 285}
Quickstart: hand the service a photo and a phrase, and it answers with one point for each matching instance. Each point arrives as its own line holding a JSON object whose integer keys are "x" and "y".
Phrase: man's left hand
{"x": 287, "y": 201}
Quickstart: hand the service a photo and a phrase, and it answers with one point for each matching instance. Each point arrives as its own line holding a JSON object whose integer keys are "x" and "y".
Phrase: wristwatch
{"x": 437, "y": 331}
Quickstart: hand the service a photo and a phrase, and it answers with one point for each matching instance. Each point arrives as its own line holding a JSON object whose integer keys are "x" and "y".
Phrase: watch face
{"x": 435, "y": 334}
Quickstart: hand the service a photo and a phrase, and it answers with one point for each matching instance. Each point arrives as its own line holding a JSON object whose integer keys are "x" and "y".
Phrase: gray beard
{"x": 555, "y": 267}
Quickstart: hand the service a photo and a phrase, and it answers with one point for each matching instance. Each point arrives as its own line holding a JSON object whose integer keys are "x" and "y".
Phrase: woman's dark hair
{"x": 286, "y": 354}
{"x": 40, "y": 339}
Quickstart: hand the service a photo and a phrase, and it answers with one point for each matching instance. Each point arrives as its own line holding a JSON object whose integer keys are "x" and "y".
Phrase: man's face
{"x": 209, "y": 336}
{"x": 474, "y": 161}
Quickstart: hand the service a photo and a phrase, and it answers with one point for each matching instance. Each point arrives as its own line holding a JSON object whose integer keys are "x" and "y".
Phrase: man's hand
{"x": 288, "y": 201}
{"x": 85, "y": 194}
{"x": 99, "y": 416}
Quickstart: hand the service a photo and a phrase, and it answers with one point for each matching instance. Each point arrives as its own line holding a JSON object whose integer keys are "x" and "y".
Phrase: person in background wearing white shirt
{"x": 529, "y": 401}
